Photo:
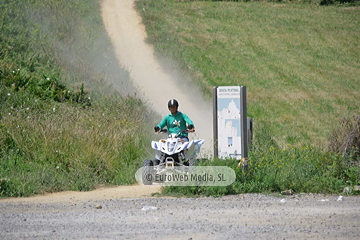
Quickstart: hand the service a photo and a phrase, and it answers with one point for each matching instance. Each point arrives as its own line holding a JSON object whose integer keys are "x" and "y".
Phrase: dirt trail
{"x": 124, "y": 26}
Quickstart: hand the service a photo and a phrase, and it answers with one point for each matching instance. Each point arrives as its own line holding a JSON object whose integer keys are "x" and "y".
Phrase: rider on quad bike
{"x": 176, "y": 153}
{"x": 176, "y": 121}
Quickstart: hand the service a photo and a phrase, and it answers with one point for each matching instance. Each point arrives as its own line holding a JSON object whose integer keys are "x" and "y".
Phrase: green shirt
{"x": 175, "y": 123}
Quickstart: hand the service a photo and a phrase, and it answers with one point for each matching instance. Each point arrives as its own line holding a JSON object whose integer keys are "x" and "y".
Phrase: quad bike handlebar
{"x": 178, "y": 134}
{"x": 190, "y": 128}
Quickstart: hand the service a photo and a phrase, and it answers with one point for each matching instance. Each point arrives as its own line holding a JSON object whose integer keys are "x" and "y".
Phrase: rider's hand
{"x": 191, "y": 128}
{"x": 157, "y": 129}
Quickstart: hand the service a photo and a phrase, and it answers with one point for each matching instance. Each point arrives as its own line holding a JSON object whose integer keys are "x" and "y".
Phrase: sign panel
{"x": 230, "y": 122}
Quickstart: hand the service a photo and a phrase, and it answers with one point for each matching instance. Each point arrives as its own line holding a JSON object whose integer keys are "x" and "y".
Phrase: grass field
{"x": 300, "y": 62}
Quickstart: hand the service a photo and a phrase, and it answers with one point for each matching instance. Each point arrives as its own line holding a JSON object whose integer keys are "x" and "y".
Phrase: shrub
{"x": 345, "y": 139}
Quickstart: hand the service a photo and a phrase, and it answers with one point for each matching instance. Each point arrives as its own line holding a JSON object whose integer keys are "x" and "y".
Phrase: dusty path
{"x": 120, "y": 192}
{"x": 123, "y": 24}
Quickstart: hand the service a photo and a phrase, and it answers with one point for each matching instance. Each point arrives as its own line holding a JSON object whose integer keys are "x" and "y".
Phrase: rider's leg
{"x": 185, "y": 139}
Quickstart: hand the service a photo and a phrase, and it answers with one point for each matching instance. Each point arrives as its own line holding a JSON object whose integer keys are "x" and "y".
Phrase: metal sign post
{"x": 230, "y": 122}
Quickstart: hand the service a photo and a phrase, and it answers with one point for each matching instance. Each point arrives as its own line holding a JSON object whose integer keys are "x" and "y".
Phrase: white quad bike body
{"x": 171, "y": 154}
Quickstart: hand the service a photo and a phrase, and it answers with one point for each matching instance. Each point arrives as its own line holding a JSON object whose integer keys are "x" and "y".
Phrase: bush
{"x": 345, "y": 139}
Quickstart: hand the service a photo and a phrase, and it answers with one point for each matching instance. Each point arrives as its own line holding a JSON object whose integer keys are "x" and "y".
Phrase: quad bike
{"x": 171, "y": 154}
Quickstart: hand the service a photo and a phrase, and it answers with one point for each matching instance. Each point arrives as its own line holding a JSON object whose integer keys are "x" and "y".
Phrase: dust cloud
{"x": 155, "y": 85}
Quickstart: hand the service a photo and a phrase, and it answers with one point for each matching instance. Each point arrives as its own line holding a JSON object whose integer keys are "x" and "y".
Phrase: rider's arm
{"x": 163, "y": 122}
{"x": 188, "y": 120}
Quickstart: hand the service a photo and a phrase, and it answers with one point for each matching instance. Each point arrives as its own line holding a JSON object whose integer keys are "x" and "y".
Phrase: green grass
{"x": 300, "y": 62}
{"x": 301, "y": 66}
{"x": 272, "y": 170}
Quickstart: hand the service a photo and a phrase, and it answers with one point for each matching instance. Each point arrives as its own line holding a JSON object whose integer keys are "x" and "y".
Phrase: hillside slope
{"x": 299, "y": 62}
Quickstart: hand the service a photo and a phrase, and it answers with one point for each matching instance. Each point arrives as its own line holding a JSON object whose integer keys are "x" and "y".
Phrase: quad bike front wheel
{"x": 148, "y": 172}
{"x": 192, "y": 162}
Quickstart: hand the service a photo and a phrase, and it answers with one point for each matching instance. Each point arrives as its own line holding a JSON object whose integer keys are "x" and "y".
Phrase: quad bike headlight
{"x": 170, "y": 146}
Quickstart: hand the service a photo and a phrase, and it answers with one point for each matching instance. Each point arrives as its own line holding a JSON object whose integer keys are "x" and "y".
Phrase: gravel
{"x": 231, "y": 217}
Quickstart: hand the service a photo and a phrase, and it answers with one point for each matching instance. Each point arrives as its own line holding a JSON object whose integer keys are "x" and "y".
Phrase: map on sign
{"x": 229, "y": 127}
